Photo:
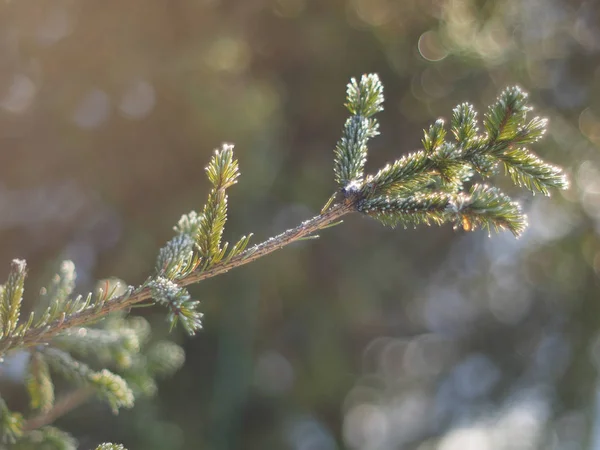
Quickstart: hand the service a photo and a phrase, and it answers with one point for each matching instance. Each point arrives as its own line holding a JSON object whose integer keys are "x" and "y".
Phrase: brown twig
{"x": 38, "y": 336}
{"x": 60, "y": 408}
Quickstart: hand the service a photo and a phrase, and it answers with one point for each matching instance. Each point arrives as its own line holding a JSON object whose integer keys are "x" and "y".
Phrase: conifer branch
{"x": 427, "y": 186}
{"x": 37, "y": 336}
{"x": 430, "y": 186}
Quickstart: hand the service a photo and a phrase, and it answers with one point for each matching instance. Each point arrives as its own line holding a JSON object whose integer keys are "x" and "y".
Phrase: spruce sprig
{"x": 179, "y": 304}
{"x": 406, "y": 211}
{"x": 429, "y": 186}
{"x": 483, "y": 207}
{"x": 464, "y": 123}
{"x": 487, "y": 207}
{"x": 434, "y": 137}
{"x": 177, "y": 258}
{"x": 11, "y": 296}
{"x": 198, "y": 244}
{"x": 363, "y": 99}
{"x": 527, "y": 169}
{"x": 504, "y": 118}
{"x": 222, "y": 172}
{"x": 508, "y": 131}
{"x": 405, "y": 175}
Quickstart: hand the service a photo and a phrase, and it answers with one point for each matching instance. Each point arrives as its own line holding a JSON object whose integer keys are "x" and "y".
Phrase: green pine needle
{"x": 239, "y": 247}
{"x": 329, "y": 202}
{"x": 333, "y": 224}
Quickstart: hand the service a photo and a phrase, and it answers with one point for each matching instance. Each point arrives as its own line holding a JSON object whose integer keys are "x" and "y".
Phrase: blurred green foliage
{"x": 369, "y": 338}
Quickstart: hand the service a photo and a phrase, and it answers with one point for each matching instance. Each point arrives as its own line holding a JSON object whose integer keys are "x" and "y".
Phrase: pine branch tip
{"x": 365, "y": 97}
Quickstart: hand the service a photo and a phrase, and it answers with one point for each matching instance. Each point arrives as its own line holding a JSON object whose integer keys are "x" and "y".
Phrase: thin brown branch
{"x": 38, "y": 336}
{"x": 60, "y": 408}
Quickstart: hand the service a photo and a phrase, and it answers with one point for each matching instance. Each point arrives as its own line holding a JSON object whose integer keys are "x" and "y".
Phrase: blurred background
{"x": 368, "y": 338}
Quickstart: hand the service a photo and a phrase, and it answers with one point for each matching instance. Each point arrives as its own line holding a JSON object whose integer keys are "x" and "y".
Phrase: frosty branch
{"x": 445, "y": 182}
